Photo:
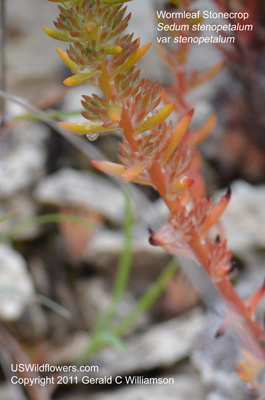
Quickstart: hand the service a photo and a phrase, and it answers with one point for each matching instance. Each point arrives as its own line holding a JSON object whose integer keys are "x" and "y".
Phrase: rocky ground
{"x": 56, "y": 279}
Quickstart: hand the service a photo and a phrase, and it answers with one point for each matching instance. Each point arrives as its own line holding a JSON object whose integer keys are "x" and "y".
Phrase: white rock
{"x": 23, "y": 158}
{"x": 215, "y": 359}
{"x": 18, "y": 169}
{"x": 184, "y": 387}
{"x": 16, "y": 287}
{"x": 104, "y": 252}
{"x": 69, "y": 187}
{"x": 160, "y": 347}
{"x": 218, "y": 396}
{"x": 244, "y": 218}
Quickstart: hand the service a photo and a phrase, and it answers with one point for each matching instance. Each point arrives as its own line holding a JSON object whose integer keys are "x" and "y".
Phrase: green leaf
{"x": 59, "y": 35}
{"x": 148, "y": 299}
{"x": 123, "y": 273}
{"x": 50, "y": 114}
{"x": 121, "y": 280}
{"x": 7, "y": 216}
{"x": 126, "y": 257}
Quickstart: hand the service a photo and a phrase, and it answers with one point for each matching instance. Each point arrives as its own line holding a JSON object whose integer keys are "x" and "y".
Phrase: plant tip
{"x": 152, "y": 240}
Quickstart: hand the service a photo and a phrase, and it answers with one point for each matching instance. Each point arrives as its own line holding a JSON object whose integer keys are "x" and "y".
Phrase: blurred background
{"x": 67, "y": 231}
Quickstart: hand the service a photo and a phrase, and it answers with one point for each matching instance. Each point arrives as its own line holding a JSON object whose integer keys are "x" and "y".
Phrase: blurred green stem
{"x": 148, "y": 299}
{"x": 50, "y": 114}
{"x": 102, "y": 328}
{"x": 123, "y": 272}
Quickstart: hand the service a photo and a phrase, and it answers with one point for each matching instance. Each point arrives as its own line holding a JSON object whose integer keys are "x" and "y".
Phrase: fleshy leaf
{"x": 104, "y": 81}
{"x": 177, "y": 135}
{"x": 156, "y": 118}
{"x": 216, "y": 212}
{"x": 109, "y": 167}
{"x": 67, "y": 60}
{"x": 114, "y": 112}
{"x": 182, "y": 184}
{"x": 204, "y": 131}
{"x": 117, "y": 170}
{"x": 131, "y": 173}
{"x": 77, "y": 79}
{"x": 249, "y": 369}
{"x": 59, "y": 35}
{"x": 133, "y": 59}
{"x": 112, "y": 49}
{"x": 84, "y": 128}
{"x": 209, "y": 74}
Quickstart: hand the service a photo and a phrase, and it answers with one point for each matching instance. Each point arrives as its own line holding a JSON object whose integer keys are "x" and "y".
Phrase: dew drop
{"x": 92, "y": 136}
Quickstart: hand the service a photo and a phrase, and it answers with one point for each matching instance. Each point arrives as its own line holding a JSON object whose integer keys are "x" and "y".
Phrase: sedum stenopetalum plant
{"x": 152, "y": 151}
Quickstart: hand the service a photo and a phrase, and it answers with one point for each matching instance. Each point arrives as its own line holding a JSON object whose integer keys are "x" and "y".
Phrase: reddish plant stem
{"x": 223, "y": 285}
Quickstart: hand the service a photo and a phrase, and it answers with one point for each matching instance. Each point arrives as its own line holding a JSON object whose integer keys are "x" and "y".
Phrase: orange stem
{"x": 201, "y": 254}
{"x": 126, "y": 125}
{"x": 224, "y": 287}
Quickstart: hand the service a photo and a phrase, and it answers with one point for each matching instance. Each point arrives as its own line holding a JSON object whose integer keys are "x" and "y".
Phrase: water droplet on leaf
{"x": 92, "y": 136}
